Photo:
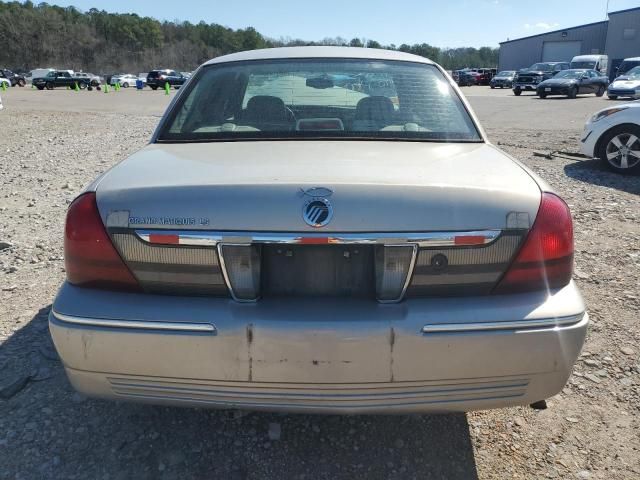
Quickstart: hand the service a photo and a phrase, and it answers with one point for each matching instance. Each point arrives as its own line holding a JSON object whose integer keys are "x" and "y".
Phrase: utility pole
{"x": 606, "y": 14}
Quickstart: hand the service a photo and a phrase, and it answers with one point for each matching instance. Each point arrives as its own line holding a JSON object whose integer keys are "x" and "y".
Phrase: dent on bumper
{"x": 340, "y": 356}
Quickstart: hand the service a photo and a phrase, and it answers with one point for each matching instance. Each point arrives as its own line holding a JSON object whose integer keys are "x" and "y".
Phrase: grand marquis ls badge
{"x": 317, "y": 211}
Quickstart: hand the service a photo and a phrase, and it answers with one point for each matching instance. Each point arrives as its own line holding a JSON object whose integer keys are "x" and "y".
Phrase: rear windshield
{"x": 585, "y": 64}
{"x": 319, "y": 98}
{"x": 545, "y": 67}
{"x": 571, "y": 74}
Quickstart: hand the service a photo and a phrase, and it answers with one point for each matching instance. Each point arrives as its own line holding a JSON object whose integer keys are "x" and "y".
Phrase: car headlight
{"x": 605, "y": 113}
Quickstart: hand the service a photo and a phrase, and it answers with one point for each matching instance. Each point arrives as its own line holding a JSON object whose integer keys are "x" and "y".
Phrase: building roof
{"x": 555, "y": 31}
{"x": 624, "y": 11}
{"x": 618, "y": 12}
{"x": 319, "y": 52}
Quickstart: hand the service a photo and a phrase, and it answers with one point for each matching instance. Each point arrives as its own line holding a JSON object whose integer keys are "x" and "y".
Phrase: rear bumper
{"x": 525, "y": 86}
{"x": 341, "y": 356}
{"x": 553, "y": 90}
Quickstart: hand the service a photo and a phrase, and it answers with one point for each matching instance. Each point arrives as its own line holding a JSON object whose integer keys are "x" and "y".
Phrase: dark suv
{"x": 14, "y": 78}
{"x": 159, "y": 78}
{"x": 529, "y": 78}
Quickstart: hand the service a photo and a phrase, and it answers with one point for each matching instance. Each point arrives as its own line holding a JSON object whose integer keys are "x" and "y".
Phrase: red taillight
{"x": 545, "y": 261}
{"x": 90, "y": 258}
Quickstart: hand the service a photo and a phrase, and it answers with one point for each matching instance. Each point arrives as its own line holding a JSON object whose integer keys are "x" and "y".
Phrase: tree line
{"x": 43, "y": 35}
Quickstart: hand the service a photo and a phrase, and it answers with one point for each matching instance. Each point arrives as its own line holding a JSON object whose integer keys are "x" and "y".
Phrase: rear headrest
{"x": 266, "y": 108}
{"x": 374, "y": 108}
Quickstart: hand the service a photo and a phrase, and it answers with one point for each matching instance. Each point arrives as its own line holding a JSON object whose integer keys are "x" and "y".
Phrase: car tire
{"x": 492, "y": 87}
{"x": 600, "y": 91}
{"x": 125, "y": 85}
{"x": 612, "y": 97}
{"x": 607, "y": 147}
{"x": 82, "y": 86}
{"x": 573, "y": 93}
{"x": 154, "y": 88}
{"x": 49, "y": 86}
{"x": 517, "y": 92}
{"x": 40, "y": 87}
{"x": 542, "y": 95}
{"x": 21, "y": 82}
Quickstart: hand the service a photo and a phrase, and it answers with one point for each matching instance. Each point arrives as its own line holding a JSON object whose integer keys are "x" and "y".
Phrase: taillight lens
{"x": 90, "y": 258}
{"x": 545, "y": 261}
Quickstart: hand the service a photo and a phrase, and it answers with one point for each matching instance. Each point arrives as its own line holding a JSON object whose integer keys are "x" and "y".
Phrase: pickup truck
{"x": 60, "y": 78}
{"x": 529, "y": 78}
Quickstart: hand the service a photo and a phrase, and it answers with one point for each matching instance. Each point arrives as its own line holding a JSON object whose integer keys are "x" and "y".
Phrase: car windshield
{"x": 586, "y": 64}
{"x": 570, "y": 74}
{"x": 328, "y": 98}
{"x": 634, "y": 73}
{"x": 506, "y": 73}
{"x": 541, "y": 66}
{"x": 627, "y": 66}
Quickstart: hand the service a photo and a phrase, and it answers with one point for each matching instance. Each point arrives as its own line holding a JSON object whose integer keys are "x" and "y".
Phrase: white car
{"x": 93, "y": 80}
{"x": 627, "y": 85}
{"x": 613, "y": 136}
{"x": 125, "y": 81}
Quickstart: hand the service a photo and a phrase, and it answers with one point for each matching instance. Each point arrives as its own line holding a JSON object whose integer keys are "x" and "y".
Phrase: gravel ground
{"x": 590, "y": 430}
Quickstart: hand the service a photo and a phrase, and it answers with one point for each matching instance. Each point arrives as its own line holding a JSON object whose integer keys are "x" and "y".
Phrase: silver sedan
{"x": 290, "y": 242}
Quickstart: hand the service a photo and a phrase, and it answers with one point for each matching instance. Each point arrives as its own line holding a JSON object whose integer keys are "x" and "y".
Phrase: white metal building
{"x": 618, "y": 37}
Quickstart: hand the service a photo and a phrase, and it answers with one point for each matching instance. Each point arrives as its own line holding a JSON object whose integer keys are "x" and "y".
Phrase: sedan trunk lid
{"x": 372, "y": 186}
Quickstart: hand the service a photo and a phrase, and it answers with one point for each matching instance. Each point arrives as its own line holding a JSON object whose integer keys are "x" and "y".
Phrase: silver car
{"x": 290, "y": 242}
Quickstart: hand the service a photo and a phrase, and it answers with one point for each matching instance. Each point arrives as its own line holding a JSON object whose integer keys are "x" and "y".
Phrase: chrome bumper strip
{"x": 422, "y": 239}
{"x": 137, "y": 324}
{"x": 493, "y": 326}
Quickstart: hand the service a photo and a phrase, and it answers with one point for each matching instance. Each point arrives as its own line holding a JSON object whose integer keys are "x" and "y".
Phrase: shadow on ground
{"x": 594, "y": 172}
{"x": 49, "y": 431}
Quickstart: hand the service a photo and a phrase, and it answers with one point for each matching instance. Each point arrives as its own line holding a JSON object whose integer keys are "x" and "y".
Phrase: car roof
{"x": 632, "y": 59}
{"x": 587, "y": 57}
{"x": 319, "y": 52}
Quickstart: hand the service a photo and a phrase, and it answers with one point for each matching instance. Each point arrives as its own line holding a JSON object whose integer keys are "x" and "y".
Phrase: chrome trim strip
{"x": 407, "y": 280}
{"x": 510, "y": 325}
{"x": 421, "y": 239}
{"x": 137, "y": 324}
{"x": 225, "y": 275}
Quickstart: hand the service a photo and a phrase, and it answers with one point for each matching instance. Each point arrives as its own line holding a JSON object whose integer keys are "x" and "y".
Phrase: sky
{"x": 443, "y": 23}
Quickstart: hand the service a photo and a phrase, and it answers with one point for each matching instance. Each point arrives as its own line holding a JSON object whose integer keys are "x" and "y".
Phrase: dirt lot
{"x": 54, "y": 143}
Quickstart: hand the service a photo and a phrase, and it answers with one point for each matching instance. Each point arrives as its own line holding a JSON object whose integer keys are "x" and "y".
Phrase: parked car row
{"x": 473, "y": 76}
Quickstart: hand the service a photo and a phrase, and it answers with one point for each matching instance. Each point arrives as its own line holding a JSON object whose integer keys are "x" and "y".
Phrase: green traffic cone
{"x": 77, "y": 88}
{"x": 167, "y": 88}
{"x": 4, "y": 87}
{"x": 106, "y": 88}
